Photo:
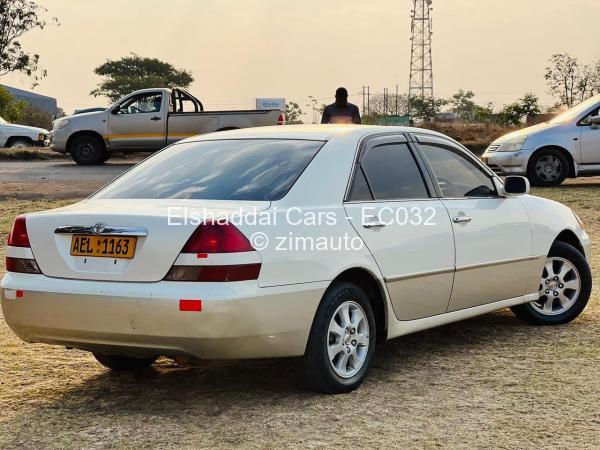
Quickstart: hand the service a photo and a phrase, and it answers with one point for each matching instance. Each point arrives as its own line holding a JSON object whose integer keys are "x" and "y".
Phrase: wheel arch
{"x": 569, "y": 237}
{"x": 375, "y": 291}
{"x": 227, "y": 129}
{"x": 12, "y": 139}
{"x": 562, "y": 150}
{"x": 85, "y": 133}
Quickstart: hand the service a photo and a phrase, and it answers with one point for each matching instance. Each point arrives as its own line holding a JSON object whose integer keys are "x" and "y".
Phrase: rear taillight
{"x": 18, "y": 238}
{"x": 18, "y": 233}
{"x": 21, "y": 265}
{"x": 238, "y": 272}
{"x": 281, "y": 119}
{"x": 214, "y": 238}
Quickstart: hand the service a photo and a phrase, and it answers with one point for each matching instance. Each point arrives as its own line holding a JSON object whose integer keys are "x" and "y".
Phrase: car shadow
{"x": 223, "y": 383}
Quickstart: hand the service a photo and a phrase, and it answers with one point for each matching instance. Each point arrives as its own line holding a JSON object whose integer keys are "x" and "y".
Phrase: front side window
{"x": 391, "y": 173}
{"x": 241, "y": 169}
{"x": 142, "y": 104}
{"x": 456, "y": 175}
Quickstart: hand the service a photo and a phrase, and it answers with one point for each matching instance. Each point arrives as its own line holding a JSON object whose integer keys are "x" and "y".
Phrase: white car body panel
{"x": 127, "y": 306}
{"x": 10, "y": 130}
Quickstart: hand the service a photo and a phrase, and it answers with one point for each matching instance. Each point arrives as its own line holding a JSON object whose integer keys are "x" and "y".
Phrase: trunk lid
{"x": 154, "y": 253}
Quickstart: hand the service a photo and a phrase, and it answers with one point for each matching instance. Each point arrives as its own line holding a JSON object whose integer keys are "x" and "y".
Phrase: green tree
{"x": 134, "y": 72}
{"x": 293, "y": 113}
{"x": 10, "y": 110}
{"x": 570, "y": 81}
{"x": 424, "y": 108}
{"x": 463, "y": 105}
{"x": 17, "y": 17}
{"x": 527, "y": 105}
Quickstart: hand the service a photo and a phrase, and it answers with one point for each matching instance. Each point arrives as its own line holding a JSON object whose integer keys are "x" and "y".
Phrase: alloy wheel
{"x": 548, "y": 168}
{"x": 348, "y": 339}
{"x": 559, "y": 287}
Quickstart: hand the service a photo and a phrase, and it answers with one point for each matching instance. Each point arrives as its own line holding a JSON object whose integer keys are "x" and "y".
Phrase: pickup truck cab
{"x": 548, "y": 153}
{"x": 21, "y": 136}
{"x": 147, "y": 120}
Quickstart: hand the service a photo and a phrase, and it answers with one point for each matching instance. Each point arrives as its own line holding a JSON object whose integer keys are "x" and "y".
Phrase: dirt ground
{"x": 487, "y": 382}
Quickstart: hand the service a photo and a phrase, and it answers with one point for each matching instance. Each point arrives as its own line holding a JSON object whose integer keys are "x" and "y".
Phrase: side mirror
{"x": 115, "y": 110}
{"x": 595, "y": 122}
{"x": 514, "y": 185}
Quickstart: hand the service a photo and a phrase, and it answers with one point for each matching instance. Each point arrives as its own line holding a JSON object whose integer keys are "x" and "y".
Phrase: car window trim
{"x": 376, "y": 140}
{"x": 452, "y": 147}
{"x": 142, "y": 95}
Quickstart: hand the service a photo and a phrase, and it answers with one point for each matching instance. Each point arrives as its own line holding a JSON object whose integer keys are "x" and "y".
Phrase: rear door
{"x": 392, "y": 206}
{"x": 139, "y": 122}
{"x": 492, "y": 234}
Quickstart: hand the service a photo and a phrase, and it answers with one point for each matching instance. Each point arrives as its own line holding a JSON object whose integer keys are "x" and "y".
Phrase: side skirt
{"x": 402, "y": 328}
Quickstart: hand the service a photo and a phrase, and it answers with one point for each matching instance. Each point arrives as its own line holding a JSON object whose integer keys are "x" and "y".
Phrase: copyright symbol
{"x": 259, "y": 241}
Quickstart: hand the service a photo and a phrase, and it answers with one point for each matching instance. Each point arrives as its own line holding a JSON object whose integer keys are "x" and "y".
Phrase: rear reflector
{"x": 19, "y": 294}
{"x": 213, "y": 237}
{"x": 241, "y": 272}
{"x": 18, "y": 233}
{"x": 20, "y": 265}
{"x": 190, "y": 305}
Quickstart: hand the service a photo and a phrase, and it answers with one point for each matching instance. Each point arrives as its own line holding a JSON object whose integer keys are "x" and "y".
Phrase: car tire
{"x": 547, "y": 168}
{"x": 121, "y": 363}
{"x": 354, "y": 339}
{"x": 563, "y": 295}
{"x": 20, "y": 143}
{"x": 88, "y": 150}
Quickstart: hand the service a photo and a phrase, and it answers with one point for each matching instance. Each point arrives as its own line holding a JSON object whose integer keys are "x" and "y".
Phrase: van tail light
{"x": 281, "y": 119}
{"x": 18, "y": 238}
{"x": 215, "y": 238}
{"x": 18, "y": 233}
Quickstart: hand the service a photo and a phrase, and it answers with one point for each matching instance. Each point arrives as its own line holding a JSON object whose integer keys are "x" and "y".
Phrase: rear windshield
{"x": 244, "y": 169}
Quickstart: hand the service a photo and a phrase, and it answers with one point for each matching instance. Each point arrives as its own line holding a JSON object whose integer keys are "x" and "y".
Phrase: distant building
{"x": 42, "y": 102}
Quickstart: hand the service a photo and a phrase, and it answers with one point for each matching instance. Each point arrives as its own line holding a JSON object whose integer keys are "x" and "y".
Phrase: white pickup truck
{"x": 147, "y": 120}
{"x": 21, "y": 136}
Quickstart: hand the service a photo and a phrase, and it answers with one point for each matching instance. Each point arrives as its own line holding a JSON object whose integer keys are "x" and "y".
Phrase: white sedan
{"x": 312, "y": 241}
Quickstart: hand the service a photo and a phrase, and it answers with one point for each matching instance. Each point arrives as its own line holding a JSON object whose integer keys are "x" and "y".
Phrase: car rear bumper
{"x": 237, "y": 320}
{"x": 507, "y": 163}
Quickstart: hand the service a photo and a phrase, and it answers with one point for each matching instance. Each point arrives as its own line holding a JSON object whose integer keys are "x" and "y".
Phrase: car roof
{"x": 308, "y": 132}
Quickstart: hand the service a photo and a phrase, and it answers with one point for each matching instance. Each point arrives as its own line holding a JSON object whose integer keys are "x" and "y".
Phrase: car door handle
{"x": 374, "y": 224}
{"x": 155, "y": 118}
{"x": 461, "y": 219}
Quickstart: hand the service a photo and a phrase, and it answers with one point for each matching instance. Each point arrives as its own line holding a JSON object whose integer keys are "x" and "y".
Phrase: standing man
{"x": 341, "y": 111}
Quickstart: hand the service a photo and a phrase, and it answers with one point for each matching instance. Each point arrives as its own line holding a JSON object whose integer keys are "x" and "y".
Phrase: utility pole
{"x": 421, "y": 62}
{"x": 368, "y": 100}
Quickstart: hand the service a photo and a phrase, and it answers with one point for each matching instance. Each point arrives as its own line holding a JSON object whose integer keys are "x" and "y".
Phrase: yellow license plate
{"x": 103, "y": 246}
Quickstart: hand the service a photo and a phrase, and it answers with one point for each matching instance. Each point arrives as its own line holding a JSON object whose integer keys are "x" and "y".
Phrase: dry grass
{"x": 476, "y": 137}
{"x": 29, "y": 154}
{"x": 486, "y": 382}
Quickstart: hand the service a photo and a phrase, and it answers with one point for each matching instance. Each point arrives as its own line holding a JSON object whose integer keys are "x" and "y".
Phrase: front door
{"x": 139, "y": 123}
{"x": 392, "y": 206}
{"x": 492, "y": 234}
{"x": 590, "y": 140}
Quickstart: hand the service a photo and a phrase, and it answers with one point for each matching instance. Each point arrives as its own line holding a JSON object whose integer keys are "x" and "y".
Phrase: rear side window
{"x": 392, "y": 173}
{"x": 244, "y": 169}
